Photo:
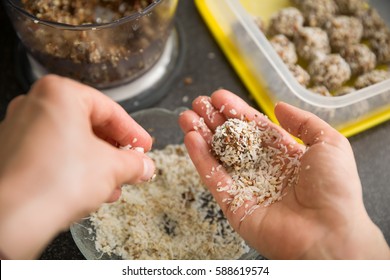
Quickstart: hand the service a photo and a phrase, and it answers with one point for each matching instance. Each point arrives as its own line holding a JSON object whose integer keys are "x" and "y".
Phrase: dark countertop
{"x": 209, "y": 70}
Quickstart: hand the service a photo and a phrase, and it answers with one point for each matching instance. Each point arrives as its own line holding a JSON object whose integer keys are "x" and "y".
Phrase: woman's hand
{"x": 60, "y": 161}
{"x": 322, "y": 216}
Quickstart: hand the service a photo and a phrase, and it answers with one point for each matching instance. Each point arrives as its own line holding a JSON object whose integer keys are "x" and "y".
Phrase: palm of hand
{"x": 313, "y": 211}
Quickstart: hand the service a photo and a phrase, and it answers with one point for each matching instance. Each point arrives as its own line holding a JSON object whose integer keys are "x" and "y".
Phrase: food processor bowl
{"x": 105, "y": 54}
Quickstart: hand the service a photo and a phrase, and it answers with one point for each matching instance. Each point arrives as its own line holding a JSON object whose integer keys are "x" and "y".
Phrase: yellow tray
{"x": 233, "y": 27}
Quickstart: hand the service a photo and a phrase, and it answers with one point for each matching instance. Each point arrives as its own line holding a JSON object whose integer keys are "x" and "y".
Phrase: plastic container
{"x": 268, "y": 78}
{"x": 102, "y": 55}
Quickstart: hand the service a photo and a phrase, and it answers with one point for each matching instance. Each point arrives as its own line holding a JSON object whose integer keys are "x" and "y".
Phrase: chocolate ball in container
{"x": 317, "y": 12}
{"x": 300, "y": 74}
{"x": 372, "y": 23}
{"x": 284, "y": 48}
{"x": 260, "y": 23}
{"x": 352, "y": 7}
{"x": 321, "y": 90}
{"x": 331, "y": 71}
{"x": 311, "y": 41}
{"x": 287, "y": 21}
{"x": 343, "y": 91}
{"x": 359, "y": 57}
{"x": 344, "y": 30}
{"x": 380, "y": 44}
{"x": 371, "y": 78}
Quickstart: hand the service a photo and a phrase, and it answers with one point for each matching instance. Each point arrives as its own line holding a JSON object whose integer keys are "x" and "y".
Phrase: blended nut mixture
{"x": 101, "y": 56}
{"x": 78, "y": 12}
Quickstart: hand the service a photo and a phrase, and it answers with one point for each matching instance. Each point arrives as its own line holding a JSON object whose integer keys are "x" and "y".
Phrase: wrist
{"x": 27, "y": 225}
{"x": 362, "y": 240}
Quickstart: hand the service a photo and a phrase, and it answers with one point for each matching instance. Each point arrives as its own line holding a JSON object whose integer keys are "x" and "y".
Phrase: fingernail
{"x": 148, "y": 170}
{"x": 139, "y": 149}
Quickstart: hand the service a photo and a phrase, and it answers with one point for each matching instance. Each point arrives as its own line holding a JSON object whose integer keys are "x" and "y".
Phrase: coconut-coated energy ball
{"x": 359, "y": 57}
{"x": 371, "y": 78}
{"x": 237, "y": 143}
{"x": 317, "y": 12}
{"x": 380, "y": 44}
{"x": 372, "y": 22}
{"x": 343, "y": 91}
{"x": 311, "y": 41}
{"x": 321, "y": 90}
{"x": 259, "y": 23}
{"x": 352, "y": 7}
{"x": 343, "y": 31}
{"x": 331, "y": 71}
{"x": 300, "y": 74}
{"x": 284, "y": 48}
{"x": 287, "y": 21}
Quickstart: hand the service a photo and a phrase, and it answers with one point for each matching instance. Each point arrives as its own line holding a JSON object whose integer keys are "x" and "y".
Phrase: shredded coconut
{"x": 209, "y": 109}
{"x": 233, "y": 112}
{"x": 139, "y": 149}
{"x": 173, "y": 217}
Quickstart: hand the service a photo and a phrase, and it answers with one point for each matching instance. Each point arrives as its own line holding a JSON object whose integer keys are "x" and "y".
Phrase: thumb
{"x": 307, "y": 126}
{"x": 132, "y": 167}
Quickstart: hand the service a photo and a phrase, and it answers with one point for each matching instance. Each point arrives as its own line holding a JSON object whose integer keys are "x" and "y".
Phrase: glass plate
{"x": 163, "y": 126}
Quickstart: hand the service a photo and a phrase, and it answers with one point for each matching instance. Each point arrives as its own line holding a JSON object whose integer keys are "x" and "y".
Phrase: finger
{"x": 235, "y": 107}
{"x": 108, "y": 119}
{"x": 205, "y": 109}
{"x": 122, "y": 167}
{"x": 116, "y": 194}
{"x": 190, "y": 121}
{"x": 306, "y": 126}
{"x": 214, "y": 176}
{"x": 132, "y": 167}
{"x": 14, "y": 104}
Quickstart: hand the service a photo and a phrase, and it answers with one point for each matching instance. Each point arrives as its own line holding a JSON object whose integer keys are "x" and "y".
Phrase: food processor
{"x": 126, "y": 49}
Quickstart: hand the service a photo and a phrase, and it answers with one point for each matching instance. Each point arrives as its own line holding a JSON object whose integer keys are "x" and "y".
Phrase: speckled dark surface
{"x": 209, "y": 70}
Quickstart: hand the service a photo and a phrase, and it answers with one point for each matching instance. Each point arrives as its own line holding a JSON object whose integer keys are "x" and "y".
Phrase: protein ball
{"x": 372, "y": 22}
{"x": 321, "y": 90}
{"x": 237, "y": 144}
{"x": 300, "y": 74}
{"x": 352, "y": 7}
{"x": 285, "y": 49}
{"x": 359, "y": 57}
{"x": 260, "y": 165}
{"x": 311, "y": 41}
{"x": 371, "y": 78}
{"x": 260, "y": 23}
{"x": 343, "y": 31}
{"x": 331, "y": 71}
{"x": 287, "y": 21}
{"x": 317, "y": 12}
{"x": 380, "y": 44}
{"x": 343, "y": 91}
